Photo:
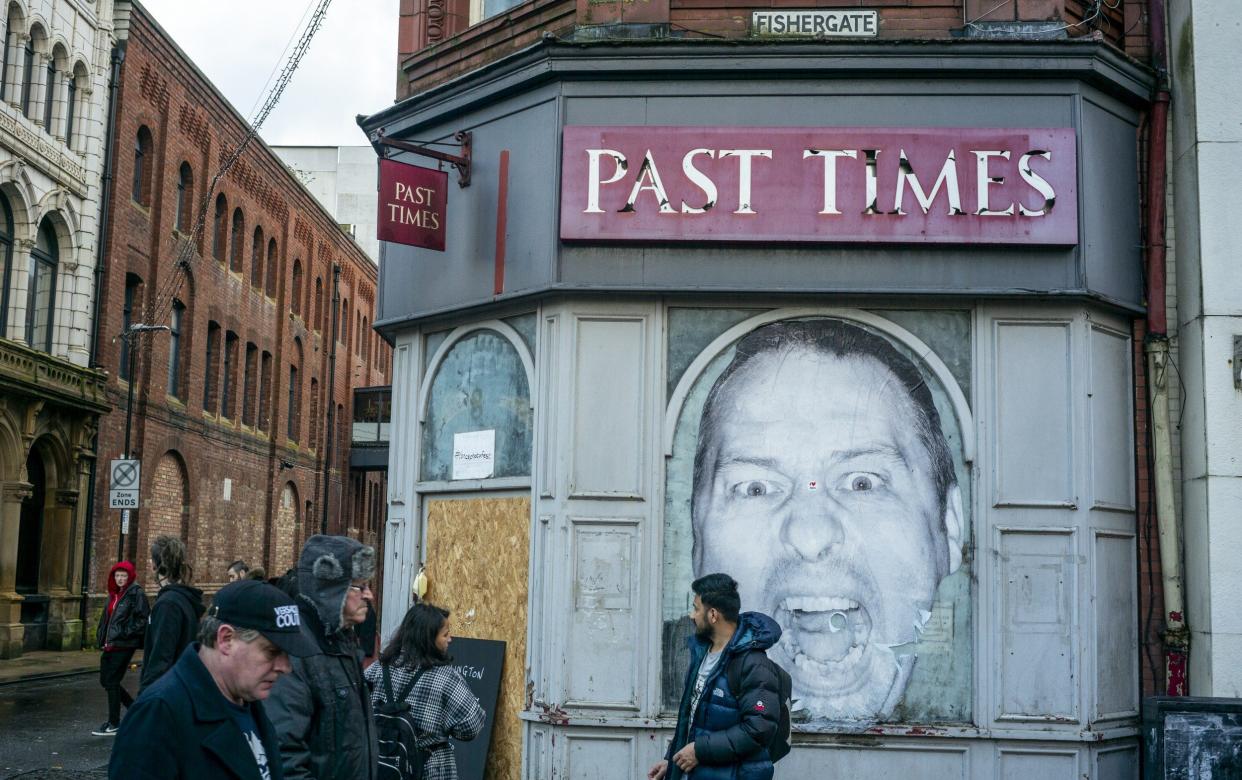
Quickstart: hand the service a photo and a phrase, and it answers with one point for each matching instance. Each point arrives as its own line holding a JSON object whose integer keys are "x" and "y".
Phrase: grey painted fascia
{"x": 1094, "y": 63}
{"x": 390, "y": 328}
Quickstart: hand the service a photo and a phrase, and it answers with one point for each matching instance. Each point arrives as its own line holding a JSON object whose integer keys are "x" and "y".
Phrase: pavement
{"x": 45, "y": 727}
{"x": 50, "y": 664}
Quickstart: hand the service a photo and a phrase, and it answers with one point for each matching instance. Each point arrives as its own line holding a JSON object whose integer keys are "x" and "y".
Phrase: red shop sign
{"x": 412, "y": 205}
{"x": 833, "y": 185}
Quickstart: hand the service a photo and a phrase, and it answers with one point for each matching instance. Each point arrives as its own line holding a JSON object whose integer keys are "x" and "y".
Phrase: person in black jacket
{"x": 174, "y": 618}
{"x": 121, "y": 627}
{"x": 204, "y": 720}
{"x": 723, "y": 734}
{"x": 322, "y": 709}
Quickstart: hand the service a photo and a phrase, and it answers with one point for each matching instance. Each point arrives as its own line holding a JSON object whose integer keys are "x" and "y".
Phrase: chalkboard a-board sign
{"x": 480, "y": 662}
{"x": 1192, "y": 738}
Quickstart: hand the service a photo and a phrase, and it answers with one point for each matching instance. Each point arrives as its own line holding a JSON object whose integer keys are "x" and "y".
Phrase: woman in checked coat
{"x": 441, "y": 705}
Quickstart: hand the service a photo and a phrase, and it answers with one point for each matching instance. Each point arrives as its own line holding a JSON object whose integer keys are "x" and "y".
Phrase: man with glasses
{"x": 322, "y": 708}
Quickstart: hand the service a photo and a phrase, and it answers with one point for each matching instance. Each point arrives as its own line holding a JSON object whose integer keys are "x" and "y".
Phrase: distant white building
{"x": 343, "y": 179}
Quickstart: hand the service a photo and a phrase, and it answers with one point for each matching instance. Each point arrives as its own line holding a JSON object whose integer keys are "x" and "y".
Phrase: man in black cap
{"x": 204, "y": 718}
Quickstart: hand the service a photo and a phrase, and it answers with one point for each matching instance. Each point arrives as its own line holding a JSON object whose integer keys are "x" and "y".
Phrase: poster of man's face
{"x": 824, "y": 484}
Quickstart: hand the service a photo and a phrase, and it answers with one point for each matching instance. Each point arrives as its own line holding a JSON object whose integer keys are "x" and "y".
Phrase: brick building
{"x": 665, "y": 195}
{"x": 241, "y": 399}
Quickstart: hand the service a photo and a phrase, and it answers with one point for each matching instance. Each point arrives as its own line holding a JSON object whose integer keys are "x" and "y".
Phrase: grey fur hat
{"x": 327, "y": 566}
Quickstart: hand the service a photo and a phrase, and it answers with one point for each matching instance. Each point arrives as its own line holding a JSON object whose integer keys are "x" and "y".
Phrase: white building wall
{"x": 1206, "y": 152}
{"x": 43, "y": 173}
{"x": 343, "y": 179}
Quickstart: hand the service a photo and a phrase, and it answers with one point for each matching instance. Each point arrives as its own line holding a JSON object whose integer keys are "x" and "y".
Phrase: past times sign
{"x": 412, "y": 205}
{"x": 838, "y": 185}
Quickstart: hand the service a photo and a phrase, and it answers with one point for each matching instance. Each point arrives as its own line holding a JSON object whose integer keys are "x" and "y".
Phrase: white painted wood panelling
{"x": 1116, "y": 763}
{"x": 1037, "y": 579}
{"x": 1111, "y": 421}
{"x": 608, "y": 454}
{"x": 401, "y": 531}
{"x": 1031, "y": 763}
{"x": 1115, "y": 626}
{"x": 1034, "y": 447}
{"x": 600, "y": 757}
{"x": 605, "y": 560}
{"x": 845, "y": 761}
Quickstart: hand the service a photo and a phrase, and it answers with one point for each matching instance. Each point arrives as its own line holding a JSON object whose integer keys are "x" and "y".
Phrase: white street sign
{"x": 124, "y": 477}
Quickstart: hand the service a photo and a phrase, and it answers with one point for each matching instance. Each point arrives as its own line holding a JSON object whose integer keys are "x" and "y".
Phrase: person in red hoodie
{"x": 120, "y": 633}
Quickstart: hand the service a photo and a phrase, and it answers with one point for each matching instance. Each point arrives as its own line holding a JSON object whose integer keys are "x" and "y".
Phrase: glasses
{"x": 363, "y": 588}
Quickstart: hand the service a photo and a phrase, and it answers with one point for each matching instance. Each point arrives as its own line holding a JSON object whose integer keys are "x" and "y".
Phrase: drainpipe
{"x": 1156, "y": 347}
{"x": 105, "y": 214}
{"x": 331, "y": 432}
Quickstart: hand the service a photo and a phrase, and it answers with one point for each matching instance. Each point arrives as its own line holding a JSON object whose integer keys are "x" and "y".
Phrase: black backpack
{"x": 778, "y": 748}
{"x": 400, "y": 757}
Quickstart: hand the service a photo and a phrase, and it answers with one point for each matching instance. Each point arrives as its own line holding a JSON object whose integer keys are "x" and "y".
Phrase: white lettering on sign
{"x": 287, "y": 617}
{"x": 905, "y": 183}
{"x": 816, "y": 23}
{"x": 474, "y": 454}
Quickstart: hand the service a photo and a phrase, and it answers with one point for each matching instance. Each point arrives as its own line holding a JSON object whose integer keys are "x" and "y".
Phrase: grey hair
{"x": 209, "y": 626}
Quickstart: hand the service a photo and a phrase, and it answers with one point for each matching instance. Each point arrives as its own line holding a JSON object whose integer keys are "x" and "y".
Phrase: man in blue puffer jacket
{"x": 724, "y": 734}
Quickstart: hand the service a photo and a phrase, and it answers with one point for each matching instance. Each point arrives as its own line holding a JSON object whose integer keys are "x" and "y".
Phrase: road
{"x": 45, "y": 728}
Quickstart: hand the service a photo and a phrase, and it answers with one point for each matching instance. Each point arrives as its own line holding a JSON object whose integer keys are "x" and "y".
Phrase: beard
{"x": 703, "y": 633}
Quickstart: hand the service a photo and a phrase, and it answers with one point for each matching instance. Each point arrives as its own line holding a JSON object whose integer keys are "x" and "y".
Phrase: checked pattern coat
{"x": 441, "y": 706}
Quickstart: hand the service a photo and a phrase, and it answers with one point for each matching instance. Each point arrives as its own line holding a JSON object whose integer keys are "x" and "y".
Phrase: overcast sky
{"x": 350, "y": 68}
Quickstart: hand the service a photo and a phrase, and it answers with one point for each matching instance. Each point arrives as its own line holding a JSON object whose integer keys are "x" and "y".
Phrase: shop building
{"x": 54, "y": 87}
{"x": 854, "y": 322}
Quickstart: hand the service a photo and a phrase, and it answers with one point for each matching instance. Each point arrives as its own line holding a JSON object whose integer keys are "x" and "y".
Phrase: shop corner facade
{"x": 857, "y": 331}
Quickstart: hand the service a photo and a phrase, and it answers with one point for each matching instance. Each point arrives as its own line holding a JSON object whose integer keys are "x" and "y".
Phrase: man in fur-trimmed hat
{"x": 322, "y": 708}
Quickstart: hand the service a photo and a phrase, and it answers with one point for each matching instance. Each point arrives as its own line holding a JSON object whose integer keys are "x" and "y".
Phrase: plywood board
{"x": 478, "y": 555}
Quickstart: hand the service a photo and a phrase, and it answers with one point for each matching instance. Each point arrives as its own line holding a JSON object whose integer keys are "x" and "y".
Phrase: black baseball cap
{"x": 266, "y": 609}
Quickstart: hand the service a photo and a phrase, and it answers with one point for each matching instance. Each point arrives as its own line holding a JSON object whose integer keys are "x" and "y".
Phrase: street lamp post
{"x": 131, "y": 348}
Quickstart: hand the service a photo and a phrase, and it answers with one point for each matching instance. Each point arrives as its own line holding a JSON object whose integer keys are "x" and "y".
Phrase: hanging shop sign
{"x": 834, "y": 185}
{"x": 412, "y": 205}
{"x": 816, "y": 23}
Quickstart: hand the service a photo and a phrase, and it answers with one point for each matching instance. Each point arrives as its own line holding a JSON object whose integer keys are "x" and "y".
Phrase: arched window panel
{"x": 256, "y": 259}
{"x": 269, "y": 284}
{"x": 295, "y": 300}
{"x": 6, "y": 261}
{"x": 220, "y": 227}
{"x": 28, "y": 74}
{"x": 185, "y": 196}
{"x": 41, "y": 289}
{"x": 175, "y": 323}
{"x": 480, "y": 385}
{"x": 236, "y": 261}
{"x": 143, "y": 160}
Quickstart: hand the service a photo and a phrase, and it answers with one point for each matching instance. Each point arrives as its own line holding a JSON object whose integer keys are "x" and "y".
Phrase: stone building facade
{"x": 53, "y": 108}
{"x": 233, "y": 393}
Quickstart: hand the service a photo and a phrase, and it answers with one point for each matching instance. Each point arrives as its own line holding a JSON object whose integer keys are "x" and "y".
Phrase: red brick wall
{"x": 436, "y": 43}
{"x": 190, "y": 122}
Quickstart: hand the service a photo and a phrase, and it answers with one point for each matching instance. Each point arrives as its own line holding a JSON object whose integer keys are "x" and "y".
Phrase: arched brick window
{"x": 236, "y": 262}
{"x": 143, "y": 162}
{"x": 185, "y": 196}
{"x": 220, "y": 227}
{"x": 269, "y": 285}
{"x": 318, "y": 304}
{"x": 295, "y": 300}
{"x": 256, "y": 259}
